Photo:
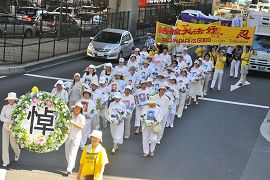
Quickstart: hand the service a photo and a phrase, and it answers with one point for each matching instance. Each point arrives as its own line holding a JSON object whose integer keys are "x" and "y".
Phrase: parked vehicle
{"x": 261, "y": 60}
{"x": 10, "y": 26}
{"x": 50, "y": 24}
{"x": 111, "y": 44}
{"x": 68, "y": 10}
{"x": 28, "y": 14}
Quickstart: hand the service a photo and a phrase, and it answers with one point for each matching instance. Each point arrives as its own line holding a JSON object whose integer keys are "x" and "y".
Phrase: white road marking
{"x": 235, "y": 103}
{"x": 47, "y": 77}
{"x": 236, "y": 86}
{"x": 2, "y": 174}
{"x": 2, "y": 77}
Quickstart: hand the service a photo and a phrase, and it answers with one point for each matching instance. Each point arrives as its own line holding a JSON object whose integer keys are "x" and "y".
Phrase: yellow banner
{"x": 203, "y": 34}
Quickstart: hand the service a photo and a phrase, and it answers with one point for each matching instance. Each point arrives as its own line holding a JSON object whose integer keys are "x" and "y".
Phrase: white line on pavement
{"x": 2, "y": 77}
{"x": 47, "y": 77}
{"x": 235, "y": 103}
{"x": 2, "y": 174}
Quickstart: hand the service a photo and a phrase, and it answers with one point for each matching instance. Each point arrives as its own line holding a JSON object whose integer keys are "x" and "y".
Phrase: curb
{"x": 265, "y": 127}
{"x": 12, "y": 69}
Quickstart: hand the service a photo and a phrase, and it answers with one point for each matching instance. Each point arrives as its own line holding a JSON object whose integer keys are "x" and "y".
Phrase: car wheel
{"x": 28, "y": 33}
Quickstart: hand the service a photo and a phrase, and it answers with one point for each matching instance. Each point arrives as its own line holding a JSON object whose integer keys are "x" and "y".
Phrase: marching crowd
{"x": 158, "y": 84}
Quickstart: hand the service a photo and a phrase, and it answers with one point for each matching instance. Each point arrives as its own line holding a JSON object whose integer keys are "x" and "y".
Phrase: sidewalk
{"x": 30, "y": 54}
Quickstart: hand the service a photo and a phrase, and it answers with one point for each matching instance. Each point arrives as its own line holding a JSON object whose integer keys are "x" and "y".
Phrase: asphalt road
{"x": 212, "y": 141}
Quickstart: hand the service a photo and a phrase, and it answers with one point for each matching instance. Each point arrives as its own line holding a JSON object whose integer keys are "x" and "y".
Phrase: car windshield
{"x": 27, "y": 11}
{"x": 261, "y": 43}
{"x": 108, "y": 37}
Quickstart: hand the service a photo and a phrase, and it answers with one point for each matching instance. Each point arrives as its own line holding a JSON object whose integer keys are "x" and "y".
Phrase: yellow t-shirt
{"x": 246, "y": 56}
{"x": 92, "y": 162}
{"x": 219, "y": 64}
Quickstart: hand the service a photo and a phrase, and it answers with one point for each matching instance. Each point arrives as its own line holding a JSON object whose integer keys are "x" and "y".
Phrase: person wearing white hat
{"x": 152, "y": 115}
{"x": 106, "y": 92}
{"x": 187, "y": 58}
{"x": 59, "y": 90}
{"x": 195, "y": 85}
{"x": 72, "y": 143}
{"x": 144, "y": 53}
{"x": 181, "y": 63}
{"x": 121, "y": 67}
{"x": 138, "y": 55}
{"x": 172, "y": 107}
{"x": 204, "y": 71}
{"x": 75, "y": 90}
{"x": 158, "y": 63}
{"x": 164, "y": 102}
{"x": 107, "y": 72}
{"x": 99, "y": 98}
{"x": 150, "y": 86}
{"x": 183, "y": 84}
{"x": 159, "y": 80}
{"x": 133, "y": 62}
{"x": 133, "y": 78}
{"x": 93, "y": 158}
{"x": 7, "y": 136}
{"x": 209, "y": 67}
{"x": 129, "y": 100}
{"x": 90, "y": 75}
{"x": 166, "y": 57}
{"x": 219, "y": 69}
{"x": 145, "y": 71}
{"x": 118, "y": 84}
{"x": 89, "y": 111}
{"x": 116, "y": 114}
{"x": 141, "y": 96}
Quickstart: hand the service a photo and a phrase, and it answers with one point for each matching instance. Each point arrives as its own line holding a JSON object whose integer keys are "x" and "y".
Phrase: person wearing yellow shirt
{"x": 221, "y": 59}
{"x": 93, "y": 159}
{"x": 200, "y": 51}
{"x": 212, "y": 54}
{"x": 245, "y": 57}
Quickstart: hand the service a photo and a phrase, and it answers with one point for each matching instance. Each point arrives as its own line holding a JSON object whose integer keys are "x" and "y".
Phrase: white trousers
{"x": 7, "y": 138}
{"x": 217, "y": 75}
{"x": 234, "y": 68}
{"x": 127, "y": 125}
{"x": 86, "y": 132}
{"x": 163, "y": 123}
{"x": 149, "y": 139}
{"x": 95, "y": 123}
{"x": 206, "y": 82}
{"x": 138, "y": 116}
{"x": 117, "y": 132}
{"x": 182, "y": 100}
{"x": 71, "y": 150}
{"x": 244, "y": 72}
{"x": 170, "y": 120}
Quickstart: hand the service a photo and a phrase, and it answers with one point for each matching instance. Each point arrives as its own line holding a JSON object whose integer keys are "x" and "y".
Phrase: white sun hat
{"x": 78, "y": 104}
{"x": 12, "y": 95}
{"x": 97, "y": 134}
{"x": 121, "y": 60}
{"x": 152, "y": 100}
{"x": 128, "y": 87}
{"x": 77, "y": 74}
{"x": 95, "y": 83}
{"x": 137, "y": 49}
{"x": 117, "y": 95}
{"x": 60, "y": 82}
{"x": 102, "y": 80}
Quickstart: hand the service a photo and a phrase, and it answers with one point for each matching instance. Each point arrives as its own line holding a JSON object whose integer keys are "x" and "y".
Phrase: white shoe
{"x": 158, "y": 142}
{"x": 185, "y": 107}
{"x": 197, "y": 102}
{"x": 205, "y": 94}
{"x": 17, "y": 157}
{"x": 5, "y": 165}
{"x": 126, "y": 137}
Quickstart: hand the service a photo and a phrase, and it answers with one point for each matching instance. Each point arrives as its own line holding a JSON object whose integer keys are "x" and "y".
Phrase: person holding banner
{"x": 72, "y": 143}
{"x": 7, "y": 137}
{"x": 212, "y": 54}
{"x": 151, "y": 116}
{"x": 219, "y": 67}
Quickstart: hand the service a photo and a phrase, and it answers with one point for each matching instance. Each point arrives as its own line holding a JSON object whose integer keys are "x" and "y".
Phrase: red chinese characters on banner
{"x": 243, "y": 34}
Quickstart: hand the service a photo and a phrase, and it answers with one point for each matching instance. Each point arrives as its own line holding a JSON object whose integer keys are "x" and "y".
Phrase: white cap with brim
{"x": 60, "y": 82}
{"x": 117, "y": 95}
{"x": 88, "y": 91}
{"x": 121, "y": 60}
{"x": 162, "y": 86}
{"x": 95, "y": 83}
{"x": 128, "y": 87}
{"x": 78, "y": 104}
{"x": 137, "y": 49}
{"x": 143, "y": 81}
{"x": 77, "y": 74}
{"x": 96, "y": 134}
{"x": 152, "y": 100}
{"x": 12, "y": 96}
{"x": 172, "y": 76}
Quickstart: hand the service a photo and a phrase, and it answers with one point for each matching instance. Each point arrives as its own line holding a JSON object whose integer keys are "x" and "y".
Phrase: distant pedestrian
{"x": 236, "y": 55}
{"x": 245, "y": 63}
{"x": 75, "y": 90}
{"x": 7, "y": 137}
{"x": 59, "y": 90}
{"x": 150, "y": 42}
{"x": 93, "y": 159}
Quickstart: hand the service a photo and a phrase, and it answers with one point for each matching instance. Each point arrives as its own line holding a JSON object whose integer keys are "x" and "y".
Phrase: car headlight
{"x": 115, "y": 48}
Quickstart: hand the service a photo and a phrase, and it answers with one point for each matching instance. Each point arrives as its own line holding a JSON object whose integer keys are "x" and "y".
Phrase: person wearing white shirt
{"x": 89, "y": 111}
{"x": 139, "y": 58}
{"x": 7, "y": 136}
{"x": 133, "y": 62}
{"x": 151, "y": 116}
{"x": 89, "y": 75}
{"x": 164, "y": 102}
{"x": 150, "y": 86}
{"x": 133, "y": 78}
{"x": 107, "y": 73}
{"x": 129, "y": 100}
{"x": 159, "y": 80}
{"x": 144, "y": 53}
{"x": 145, "y": 70}
{"x": 99, "y": 100}
{"x": 183, "y": 84}
{"x": 106, "y": 92}
{"x": 118, "y": 84}
{"x": 158, "y": 63}
{"x": 166, "y": 57}
{"x": 141, "y": 96}
{"x": 187, "y": 58}
{"x": 72, "y": 143}
{"x": 75, "y": 90}
{"x": 116, "y": 114}
{"x": 59, "y": 90}
{"x": 237, "y": 21}
{"x": 121, "y": 67}
{"x": 209, "y": 67}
